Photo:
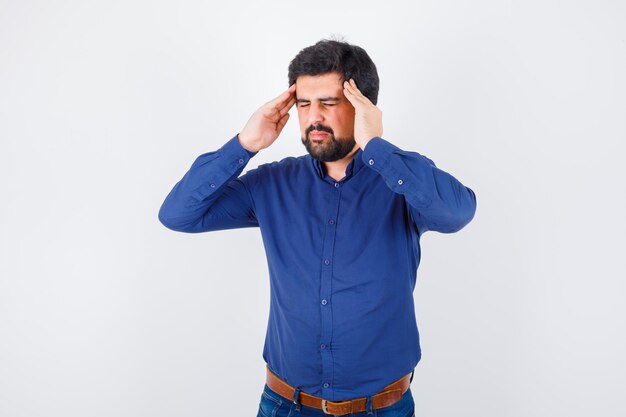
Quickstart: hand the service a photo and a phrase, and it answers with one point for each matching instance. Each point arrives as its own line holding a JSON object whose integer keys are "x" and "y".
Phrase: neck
{"x": 337, "y": 169}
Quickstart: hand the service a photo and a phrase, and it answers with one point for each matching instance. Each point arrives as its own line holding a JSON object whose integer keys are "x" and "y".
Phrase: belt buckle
{"x": 324, "y": 407}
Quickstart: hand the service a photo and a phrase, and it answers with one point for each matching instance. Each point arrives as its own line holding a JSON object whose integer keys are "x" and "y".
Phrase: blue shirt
{"x": 342, "y": 255}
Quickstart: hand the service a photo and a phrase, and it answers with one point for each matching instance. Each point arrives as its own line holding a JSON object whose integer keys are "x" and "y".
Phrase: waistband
{"x": 389, "y": 395}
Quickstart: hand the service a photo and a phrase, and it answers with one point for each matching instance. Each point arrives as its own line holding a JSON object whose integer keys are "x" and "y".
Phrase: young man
{"x": 341, "y": 227}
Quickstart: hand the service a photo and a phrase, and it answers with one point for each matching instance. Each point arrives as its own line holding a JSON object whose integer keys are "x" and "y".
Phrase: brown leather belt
{"x": 386, "y": 397}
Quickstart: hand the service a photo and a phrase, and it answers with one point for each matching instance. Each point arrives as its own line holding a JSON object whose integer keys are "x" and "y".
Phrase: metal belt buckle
{"x": 324, "y": 407}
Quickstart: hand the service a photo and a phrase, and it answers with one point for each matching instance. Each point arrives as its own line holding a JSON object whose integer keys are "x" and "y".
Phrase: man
{"x": 341, "y": 228}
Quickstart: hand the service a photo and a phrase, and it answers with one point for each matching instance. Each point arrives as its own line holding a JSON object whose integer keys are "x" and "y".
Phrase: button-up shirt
{"x": 342, "y": 255}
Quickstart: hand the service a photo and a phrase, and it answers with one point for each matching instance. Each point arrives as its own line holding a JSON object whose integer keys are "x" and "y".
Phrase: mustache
{"x": 318, "y": 127}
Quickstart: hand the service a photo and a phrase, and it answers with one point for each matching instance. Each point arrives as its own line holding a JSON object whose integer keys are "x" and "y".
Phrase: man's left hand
{"x": 368, "y": 119}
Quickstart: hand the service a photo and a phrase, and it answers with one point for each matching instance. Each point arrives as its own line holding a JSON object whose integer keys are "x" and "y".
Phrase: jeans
{"x": 275, "y": 405}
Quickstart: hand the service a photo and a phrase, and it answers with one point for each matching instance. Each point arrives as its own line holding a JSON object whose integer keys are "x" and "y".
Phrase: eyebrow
{"x": 303, "y": 100}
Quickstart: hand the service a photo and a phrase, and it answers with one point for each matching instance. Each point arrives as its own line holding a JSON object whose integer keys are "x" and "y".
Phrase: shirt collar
{"x": 353, "y": 166}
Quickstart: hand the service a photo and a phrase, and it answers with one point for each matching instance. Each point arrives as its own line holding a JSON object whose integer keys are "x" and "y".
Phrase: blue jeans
{"x": 275, "y": 405}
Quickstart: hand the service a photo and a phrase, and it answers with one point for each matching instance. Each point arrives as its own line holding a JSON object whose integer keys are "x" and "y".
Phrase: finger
{"x": 282, "y": 122}
{"x": 358, "y": 96}
{"x": 354, "y": 86}
{"x": 352, "y": 89}
{"x": 355, "y": 89}
{"x": 350, "y": 95}
{"x": 288, "y": 102}
{"x": 281, "y": 99}
{"x": 285, "y": 109}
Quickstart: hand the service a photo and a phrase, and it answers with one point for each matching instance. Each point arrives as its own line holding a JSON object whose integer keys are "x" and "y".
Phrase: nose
{"x": 315, "y": 114}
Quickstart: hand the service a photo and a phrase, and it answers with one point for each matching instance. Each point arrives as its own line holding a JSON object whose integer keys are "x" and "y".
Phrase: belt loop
{"x": 368, "y": 405}
{"x": 296, "y": 401}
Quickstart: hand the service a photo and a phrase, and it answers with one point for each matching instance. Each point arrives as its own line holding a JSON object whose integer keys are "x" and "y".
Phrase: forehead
{"x": 323, "y": 85}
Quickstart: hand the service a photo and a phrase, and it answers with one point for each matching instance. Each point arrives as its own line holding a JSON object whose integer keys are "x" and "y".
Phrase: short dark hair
{"x": 350, "y": 61}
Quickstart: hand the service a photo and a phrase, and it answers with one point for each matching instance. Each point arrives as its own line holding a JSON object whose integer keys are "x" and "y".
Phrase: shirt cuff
{"x": 232, "y": 150}
{"x": 377, "y": 152}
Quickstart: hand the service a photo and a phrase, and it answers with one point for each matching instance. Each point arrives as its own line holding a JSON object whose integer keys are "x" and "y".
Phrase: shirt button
{"x": 400, "y": 182}
{"x": 336, "y": 184}
{"x": 323, "y": 346}
{"x": 326, "y": 385}
{"x": 326, "y": 261}
{"x": 212, "y": 185}
{"x": 331, "y": 221}
{"x": 241, "y": 161}
{"x": 371, "y": 162}
{"x": 324, "y": 302}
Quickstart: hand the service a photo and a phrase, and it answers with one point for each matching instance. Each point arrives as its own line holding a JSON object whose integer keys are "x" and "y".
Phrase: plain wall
{"x": 105, "y": 105}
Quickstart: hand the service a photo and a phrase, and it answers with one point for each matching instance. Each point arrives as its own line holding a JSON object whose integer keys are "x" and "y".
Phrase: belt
{"x": 389, "y": 395}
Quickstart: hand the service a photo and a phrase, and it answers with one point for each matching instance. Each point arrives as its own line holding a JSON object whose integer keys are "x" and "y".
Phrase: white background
{"x": 105, "y": 105}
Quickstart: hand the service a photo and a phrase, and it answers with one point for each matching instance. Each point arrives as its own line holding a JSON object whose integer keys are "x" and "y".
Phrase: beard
{"x": 330, "y": 149}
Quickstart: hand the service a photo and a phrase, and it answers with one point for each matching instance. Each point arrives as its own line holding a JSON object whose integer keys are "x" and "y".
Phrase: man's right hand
{"x": 267, "y": 122}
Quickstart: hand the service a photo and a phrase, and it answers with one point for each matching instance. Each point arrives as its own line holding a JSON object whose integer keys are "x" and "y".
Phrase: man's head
{"x": 325, "y": 114}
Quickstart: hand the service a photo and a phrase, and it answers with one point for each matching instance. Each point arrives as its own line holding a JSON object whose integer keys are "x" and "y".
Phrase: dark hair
{"x": 350, "y": 61}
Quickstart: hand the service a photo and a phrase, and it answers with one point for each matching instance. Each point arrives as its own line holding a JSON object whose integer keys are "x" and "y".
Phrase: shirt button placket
{"x": 325, "y": 341}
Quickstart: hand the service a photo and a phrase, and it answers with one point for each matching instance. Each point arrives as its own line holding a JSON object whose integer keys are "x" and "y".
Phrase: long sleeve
{"x": 436, "y": 200}
{"x": 211, "y": 195}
